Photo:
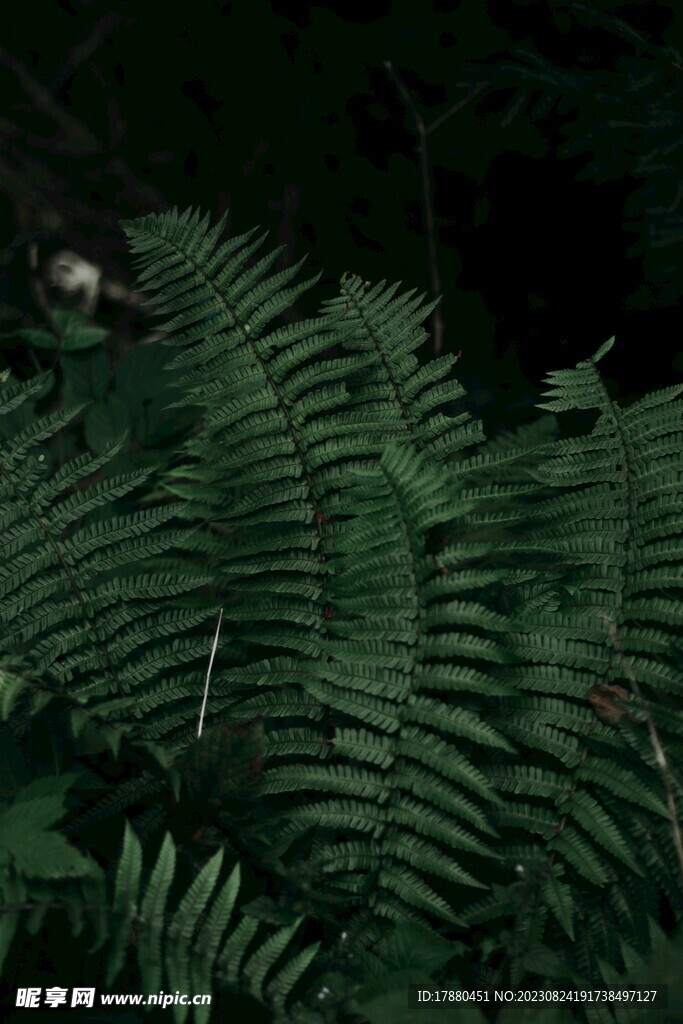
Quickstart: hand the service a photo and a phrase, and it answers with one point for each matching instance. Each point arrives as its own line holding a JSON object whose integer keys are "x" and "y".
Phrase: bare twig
{"x": 81, "y": 54}
{"x": 75, "y": 136}
{"x": 208, "y": 674}
{"x": 72, "y": 139}
{"x": 457, "y": 107}
{"x": 660, "y": 755}
{"x": 428, "y": 204}
{"x": 423, "y": 130}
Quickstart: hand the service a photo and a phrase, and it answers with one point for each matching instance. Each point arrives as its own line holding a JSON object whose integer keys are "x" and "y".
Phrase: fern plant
{"x": 444, "y": 702}
{"x": 359, "y": 318}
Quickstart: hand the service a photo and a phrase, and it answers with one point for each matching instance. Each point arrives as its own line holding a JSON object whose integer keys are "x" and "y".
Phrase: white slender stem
{"x": 208, "y": 674}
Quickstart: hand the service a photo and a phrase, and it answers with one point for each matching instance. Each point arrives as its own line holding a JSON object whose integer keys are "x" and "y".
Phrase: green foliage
{"x": 194, "y": 944}
{"x": 73, "y": 332}
{"x": 442, "y": 728}
{"x": 182, "y": 944}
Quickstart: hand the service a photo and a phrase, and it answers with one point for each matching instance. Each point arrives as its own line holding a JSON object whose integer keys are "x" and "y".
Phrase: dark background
{"x": 284, "y": 114}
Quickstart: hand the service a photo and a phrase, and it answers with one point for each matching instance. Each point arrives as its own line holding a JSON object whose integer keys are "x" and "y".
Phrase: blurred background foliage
{"x": 554, "y": 160}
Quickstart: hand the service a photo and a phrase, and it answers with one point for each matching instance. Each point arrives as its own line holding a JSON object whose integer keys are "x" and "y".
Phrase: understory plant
{"x": 336, "y": 695}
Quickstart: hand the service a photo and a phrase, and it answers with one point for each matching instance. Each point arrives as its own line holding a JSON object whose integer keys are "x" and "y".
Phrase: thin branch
{"x": 82, "y": 53}
{"x": 457, "y": 107}
{"x": 81, "y": 140}
{"x": 660, "y": 755}
{"x": 428, "y": 204}
{"x": 208, "y": 674}
{"x": 73, "y": 139}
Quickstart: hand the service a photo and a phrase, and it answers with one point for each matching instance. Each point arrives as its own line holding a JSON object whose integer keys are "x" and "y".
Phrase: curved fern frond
{"x": 400, "y": 762}
{"x": 76, "y": 594}
{"x": 186, "y": 944}
{"x": 388, "y": 328}
{"x": 595, "y": 632}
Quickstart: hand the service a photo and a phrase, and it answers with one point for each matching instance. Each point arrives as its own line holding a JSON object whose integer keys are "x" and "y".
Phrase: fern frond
{"x": 388, "y": 328}
{"x": 72, "y": 579}
{"x": 398, "y": 765}
{"x": 594, "y": 627}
